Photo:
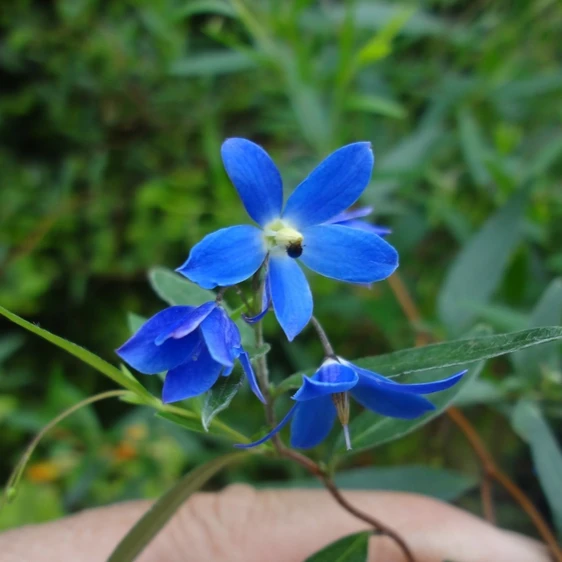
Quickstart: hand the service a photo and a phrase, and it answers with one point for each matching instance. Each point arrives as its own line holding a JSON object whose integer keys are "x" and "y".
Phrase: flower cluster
{"x": 194, "y": 346}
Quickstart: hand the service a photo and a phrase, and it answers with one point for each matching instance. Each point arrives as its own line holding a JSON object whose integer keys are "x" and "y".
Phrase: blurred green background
{"x": 111, "y": 120}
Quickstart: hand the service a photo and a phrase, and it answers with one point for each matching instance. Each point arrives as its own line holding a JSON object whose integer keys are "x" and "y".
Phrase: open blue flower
{"x": 325, "y": 396}
{"x": 194, "y": 345}
{"x": 300, "y": 230}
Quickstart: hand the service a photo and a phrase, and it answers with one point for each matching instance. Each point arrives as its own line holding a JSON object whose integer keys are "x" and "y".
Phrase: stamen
{"x": 341, "y": 402}
{"x": 347, "y": 437}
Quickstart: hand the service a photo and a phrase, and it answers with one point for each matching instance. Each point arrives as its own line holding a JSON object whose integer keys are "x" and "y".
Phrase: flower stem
{"x": 324, "y": 477}
{"x": 328, "y": 349}
{"x": 20, "y": 467}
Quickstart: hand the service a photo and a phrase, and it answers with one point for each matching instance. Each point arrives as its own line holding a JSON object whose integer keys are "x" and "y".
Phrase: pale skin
{"x": 241, "y": 524}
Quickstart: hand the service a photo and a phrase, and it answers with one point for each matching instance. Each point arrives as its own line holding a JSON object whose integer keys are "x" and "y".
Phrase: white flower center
{"x": 280, "y": 235}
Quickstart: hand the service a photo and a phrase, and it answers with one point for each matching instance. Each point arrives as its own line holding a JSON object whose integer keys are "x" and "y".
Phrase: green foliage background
{"x": 111, "y": 119}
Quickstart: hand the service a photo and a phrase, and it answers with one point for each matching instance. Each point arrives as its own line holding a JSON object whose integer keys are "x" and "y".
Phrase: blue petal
{"x": 188, "y": 325}
{"x": 275, "y": 430}
{"x": 330, "y": 378}
{"x": 219, "y": 337}
{"x": 347, "y": 254}
{"x": 144, "y": 355}
{"x": 368, "y": 227}
{"x": 332, "y": 187}
{"x": 290, "y": 293}
{"x": 225, "y": 257}
{"x": 312, "y": 422}
{"x": 388, "y": 401}
{"x": 191, "y": 379}
{"x": 255, "y": 177}
{"x": 345, "y": 216}
{"x": 349, "y": 219}
{"x": 414, "y": 388}
{"x": 244, "y": 359}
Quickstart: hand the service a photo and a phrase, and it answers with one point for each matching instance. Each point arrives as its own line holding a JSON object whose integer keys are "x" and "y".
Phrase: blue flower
{"x": 325, "y": 396}
{"x": 194, "y": 346}
{"x": 300, "y": 230}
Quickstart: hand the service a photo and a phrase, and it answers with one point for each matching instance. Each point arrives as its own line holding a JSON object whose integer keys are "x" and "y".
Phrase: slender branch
{"x": 409, "y": 308}
{"x": 262, "y": 371}
{"x": 312, "y": 467}
{"x": 487, "y": 499}
{"x": 489, "y": 467}
{"x": 379, "y": 527}
{"x": 328, "y": 349}
{"x": 494, "y": 472}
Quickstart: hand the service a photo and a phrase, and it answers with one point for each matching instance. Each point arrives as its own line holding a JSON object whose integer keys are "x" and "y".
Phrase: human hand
{"x": 242, "y": 524}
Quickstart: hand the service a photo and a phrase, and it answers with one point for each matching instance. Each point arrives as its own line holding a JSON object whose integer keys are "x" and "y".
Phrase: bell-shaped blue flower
{"x": 325, "y": 396}
{"x": 195, "y": 345}
{"x": 301, "y": 229}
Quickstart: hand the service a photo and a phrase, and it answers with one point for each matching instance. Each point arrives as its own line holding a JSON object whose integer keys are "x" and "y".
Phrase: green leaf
{"x": 479, "y": 267}
{"x": 197, "y": 7}
{"x": 192, "y": 424}
{"x": 369, "y": 15}
{"x": 83, "y": 354}
{"x": 446, "y": 485}
{"x": 353, "y": 548}
{"x": 175, "y": 289}
{"x": 446, "y": 354}
{"x": 473, "y": 146}
{"x": 220, "y": 396}
{"x": 212, "y": 64}
{"x": 370, "y": 430}
{"x": 548, "y": 311}
{"x": 528, "y": 421}
{"x": 376, "y": 105}
{"x": 161, "y": 512}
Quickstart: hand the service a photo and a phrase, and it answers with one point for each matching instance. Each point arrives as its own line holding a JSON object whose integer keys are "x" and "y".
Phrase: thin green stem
{"x": 19, "y": 469}
{"x": 328, "y": 349}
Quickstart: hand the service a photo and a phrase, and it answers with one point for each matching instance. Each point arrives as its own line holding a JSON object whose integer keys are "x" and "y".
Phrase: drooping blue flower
{"x": 300, "y": 230}
{"x": 195, "y": 345}
{"x": 325, "y": 396}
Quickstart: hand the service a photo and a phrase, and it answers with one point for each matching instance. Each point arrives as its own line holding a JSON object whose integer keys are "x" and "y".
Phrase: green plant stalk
{"x": 17, "y": 473}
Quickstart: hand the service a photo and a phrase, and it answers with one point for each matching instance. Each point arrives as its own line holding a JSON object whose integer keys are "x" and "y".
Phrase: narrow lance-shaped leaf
{"x": 547, "y": 312}
{"x": 83, "y": 354}
{"x": 353, "y": 548}
{"x": 161, "y": 512}
{"x": 473, "y": 146}
{"x": 446, "y": 354}
{"x": 479, "y": 267}
{"x": 528, "y": 421}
